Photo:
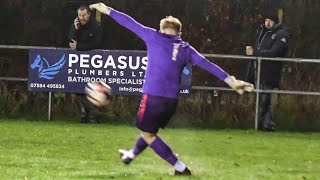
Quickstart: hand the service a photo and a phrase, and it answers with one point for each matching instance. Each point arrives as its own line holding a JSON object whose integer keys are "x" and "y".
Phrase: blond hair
{"x": 171, "y": 22}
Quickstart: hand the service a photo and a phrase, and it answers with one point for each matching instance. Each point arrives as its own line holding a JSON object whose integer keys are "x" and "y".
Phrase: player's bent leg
{"x": 165, "y": 152}
{"x": 140, "y": 146}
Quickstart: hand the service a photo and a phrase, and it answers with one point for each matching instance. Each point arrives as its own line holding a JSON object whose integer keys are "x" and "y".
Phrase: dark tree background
{"x": 211, "y": 26}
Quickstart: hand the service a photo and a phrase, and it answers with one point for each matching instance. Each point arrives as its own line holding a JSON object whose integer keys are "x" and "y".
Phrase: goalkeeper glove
{"x": 238, "y": 85}
{"x": 101, "y": 8}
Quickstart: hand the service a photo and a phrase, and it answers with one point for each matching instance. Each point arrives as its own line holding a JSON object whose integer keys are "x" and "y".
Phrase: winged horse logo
{"x": 45, "y": 70}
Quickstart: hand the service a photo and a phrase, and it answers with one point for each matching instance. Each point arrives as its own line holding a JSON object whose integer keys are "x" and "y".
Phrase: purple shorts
{"x": 155, "y": 112}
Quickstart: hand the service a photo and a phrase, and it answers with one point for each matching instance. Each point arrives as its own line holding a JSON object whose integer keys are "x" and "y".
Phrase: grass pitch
{"x": 68, "y": 150}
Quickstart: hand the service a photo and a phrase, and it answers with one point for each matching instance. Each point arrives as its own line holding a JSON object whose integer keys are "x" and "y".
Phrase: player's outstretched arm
{"x": 126, "y": 21}
{"x": 199, "y": 60}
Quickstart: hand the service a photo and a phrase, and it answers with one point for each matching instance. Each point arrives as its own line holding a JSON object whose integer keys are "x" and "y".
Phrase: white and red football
{"x": 98, "y": 93}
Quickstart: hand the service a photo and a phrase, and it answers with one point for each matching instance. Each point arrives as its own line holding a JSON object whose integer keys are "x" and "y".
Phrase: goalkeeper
{"x": 167, "y": 54}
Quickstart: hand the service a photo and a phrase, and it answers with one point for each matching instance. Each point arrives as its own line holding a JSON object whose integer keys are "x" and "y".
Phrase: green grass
{"x": 67, "y": 150}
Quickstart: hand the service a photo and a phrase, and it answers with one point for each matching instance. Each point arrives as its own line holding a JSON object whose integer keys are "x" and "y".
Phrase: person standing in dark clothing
{"x": 85, "y": 35}
{"x": 272, "y": 42}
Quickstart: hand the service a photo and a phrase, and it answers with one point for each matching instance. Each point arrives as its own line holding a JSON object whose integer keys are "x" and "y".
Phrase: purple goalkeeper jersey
{"x": 167, "y": 57}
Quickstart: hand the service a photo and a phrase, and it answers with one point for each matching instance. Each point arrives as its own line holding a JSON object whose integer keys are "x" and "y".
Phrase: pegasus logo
{"x": 46, "y": 70}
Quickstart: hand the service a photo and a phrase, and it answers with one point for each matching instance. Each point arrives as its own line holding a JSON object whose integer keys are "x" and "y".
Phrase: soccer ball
{"x": 98, "y": 94}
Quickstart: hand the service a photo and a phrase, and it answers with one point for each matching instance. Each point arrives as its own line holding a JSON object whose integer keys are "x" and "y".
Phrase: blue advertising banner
{"x": 68, "y": 71}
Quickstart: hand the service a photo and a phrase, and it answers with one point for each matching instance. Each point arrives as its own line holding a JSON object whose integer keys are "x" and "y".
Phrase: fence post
{"x": 49, "y": 106}
{"x": 257, "y": 93}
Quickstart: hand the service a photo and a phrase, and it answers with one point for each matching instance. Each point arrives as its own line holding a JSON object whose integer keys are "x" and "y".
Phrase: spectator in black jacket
{"x": 85, "y": 35}
{"x": 272, "y": 42}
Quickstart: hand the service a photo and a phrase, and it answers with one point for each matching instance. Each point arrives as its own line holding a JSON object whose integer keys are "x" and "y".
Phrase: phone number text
{"x": 50, "y": 86}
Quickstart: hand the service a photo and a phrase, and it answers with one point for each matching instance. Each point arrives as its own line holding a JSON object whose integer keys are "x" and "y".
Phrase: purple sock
{"x": 164, "y": 151}
{"x": 140, "y": 146}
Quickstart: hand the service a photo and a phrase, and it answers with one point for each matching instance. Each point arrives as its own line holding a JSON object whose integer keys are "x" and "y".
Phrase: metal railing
{"x": 258, "y": 91}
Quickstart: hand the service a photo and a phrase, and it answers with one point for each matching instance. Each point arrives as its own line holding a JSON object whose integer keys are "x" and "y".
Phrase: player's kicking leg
{"x": 127, "y": 155}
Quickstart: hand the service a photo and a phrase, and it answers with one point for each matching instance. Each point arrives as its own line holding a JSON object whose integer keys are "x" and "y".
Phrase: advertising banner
{"x": 68, "y": 71}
